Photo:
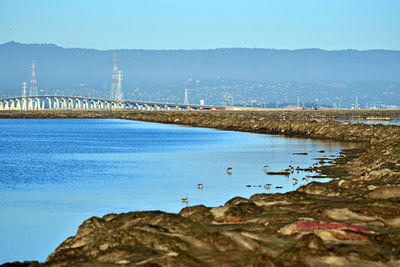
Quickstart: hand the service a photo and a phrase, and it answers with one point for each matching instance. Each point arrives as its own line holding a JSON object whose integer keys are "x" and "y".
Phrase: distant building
{"x": 291, "y": 107}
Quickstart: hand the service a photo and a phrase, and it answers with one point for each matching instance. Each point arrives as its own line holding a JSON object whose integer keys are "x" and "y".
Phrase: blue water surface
{"x": 55, "y": 173}
{"x": 391, "y": 122}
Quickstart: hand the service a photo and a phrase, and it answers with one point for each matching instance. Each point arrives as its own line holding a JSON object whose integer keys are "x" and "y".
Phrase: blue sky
{"x": 203, "y": 24}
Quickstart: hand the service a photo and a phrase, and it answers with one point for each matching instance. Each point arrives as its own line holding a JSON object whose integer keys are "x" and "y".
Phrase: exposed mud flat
{"x": 351, "y": 221}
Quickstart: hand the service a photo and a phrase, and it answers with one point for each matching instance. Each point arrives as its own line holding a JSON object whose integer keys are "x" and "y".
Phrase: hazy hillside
{"x": 162, "y": 73}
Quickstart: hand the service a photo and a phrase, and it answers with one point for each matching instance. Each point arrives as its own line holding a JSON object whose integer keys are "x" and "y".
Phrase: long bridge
{"x": 59, "y": 102}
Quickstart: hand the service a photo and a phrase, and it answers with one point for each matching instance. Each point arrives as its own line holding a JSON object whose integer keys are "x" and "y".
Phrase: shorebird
{"x": 228, "y": 171}
{"x": 266, "y": 186}
{"x": 185, "y": 199}
{"x": 315, "y": 164}
{"x": 294, "y": 183}
{"x": 304, "y": 180}
{"x": 278, "y": 187}
{"x": 294, "y": 180}
{"x": 200, "y": 186}
{"x": 266, "y": 167}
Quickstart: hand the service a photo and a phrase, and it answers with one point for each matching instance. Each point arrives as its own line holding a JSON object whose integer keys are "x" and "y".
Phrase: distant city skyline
{"x": 173, "y": 24}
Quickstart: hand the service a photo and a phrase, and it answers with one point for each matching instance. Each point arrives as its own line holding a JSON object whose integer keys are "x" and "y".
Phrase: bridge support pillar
{"x": 37, "y": 104}
{"x": 19, "y": 106}
{"x": 56, "y": 103}
{"x": 4, "y": 105}
{"x": 24, "y": 104}
{"x": 30, "y": 104}
{"x": 78, "y": 104}
{"x": 70, "y": 103}
{"x": 12, "y": 106}
{"x": 49, "y": 102}
{"x": 63, "y": 103}
{"x": 94, "y": 104}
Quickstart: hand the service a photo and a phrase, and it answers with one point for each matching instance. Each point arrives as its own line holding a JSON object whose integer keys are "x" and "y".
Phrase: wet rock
{"x": 321, "y": 189}
{"x": 309, "y": 244}
{"x": 242, "y": 210}
{"x": 197, "y": 213}
{"x": 307, "y": 226}
{"x": 344, "y": 214}
{"x": 384, "y": 192}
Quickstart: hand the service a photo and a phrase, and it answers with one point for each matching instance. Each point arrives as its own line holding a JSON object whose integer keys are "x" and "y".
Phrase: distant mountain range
{"x": 242, "y": 74}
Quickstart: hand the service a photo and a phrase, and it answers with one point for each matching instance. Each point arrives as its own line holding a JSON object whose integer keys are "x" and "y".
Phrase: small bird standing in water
{"x": 304, "y": 180}
{"x": 185, "y": 199}
{"x": 228, "y": 171}
{"x": 200, "y": 186}
{"x": 266, "y": 186}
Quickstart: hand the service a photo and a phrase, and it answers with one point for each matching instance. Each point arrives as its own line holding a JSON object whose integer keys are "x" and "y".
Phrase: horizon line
{"x": 204, "y": 49}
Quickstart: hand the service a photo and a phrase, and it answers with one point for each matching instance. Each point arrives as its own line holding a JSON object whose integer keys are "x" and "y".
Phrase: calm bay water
{"x": 392, "y": 122}
{"x": 55, "y": 173}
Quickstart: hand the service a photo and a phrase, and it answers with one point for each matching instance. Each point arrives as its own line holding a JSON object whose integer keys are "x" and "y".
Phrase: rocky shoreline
{"x": 351, "y": 221}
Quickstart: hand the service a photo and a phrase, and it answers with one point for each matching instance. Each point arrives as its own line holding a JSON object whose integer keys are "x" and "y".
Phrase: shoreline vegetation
{"x": 352, "y": 220}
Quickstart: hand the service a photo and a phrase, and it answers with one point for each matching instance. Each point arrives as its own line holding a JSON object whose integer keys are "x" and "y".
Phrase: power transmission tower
{"x": 24, "y": 85}
{"x": 118, "y": 92}
{"x": 33, "y": 88}
{"x": 114, "y": 83}
{"x": 186, "y": 102}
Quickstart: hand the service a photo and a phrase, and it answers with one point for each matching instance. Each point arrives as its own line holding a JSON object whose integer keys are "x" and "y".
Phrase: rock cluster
{"x": 354, "y": 220}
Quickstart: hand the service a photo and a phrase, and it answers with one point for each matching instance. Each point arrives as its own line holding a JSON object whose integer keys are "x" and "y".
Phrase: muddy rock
{"x": 385, "y": 192}
{"x": 198, "y": 213}
{"x": 310, "y": 245}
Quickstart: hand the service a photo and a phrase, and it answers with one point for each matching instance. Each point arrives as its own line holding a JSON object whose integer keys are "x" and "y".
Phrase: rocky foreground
{"x": 354, "y": 220}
